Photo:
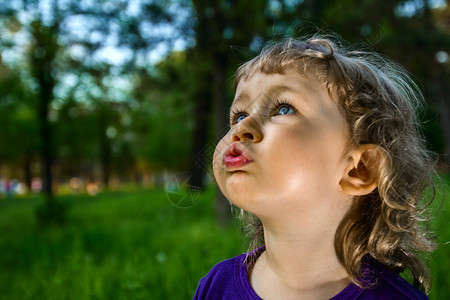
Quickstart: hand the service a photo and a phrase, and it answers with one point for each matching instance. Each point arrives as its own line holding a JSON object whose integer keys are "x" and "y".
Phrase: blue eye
{"x": 237, "y": 116}
{"x": 240, "y": 118}
{"x": 284, "y": 110}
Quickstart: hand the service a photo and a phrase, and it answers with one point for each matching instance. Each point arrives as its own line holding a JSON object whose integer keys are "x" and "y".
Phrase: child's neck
{"x": 301, "y": 265}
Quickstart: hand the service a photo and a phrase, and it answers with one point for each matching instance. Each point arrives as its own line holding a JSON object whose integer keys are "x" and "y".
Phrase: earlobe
{"x": 361, "y": 175}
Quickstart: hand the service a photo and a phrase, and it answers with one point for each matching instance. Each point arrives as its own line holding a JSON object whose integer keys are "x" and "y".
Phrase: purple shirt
{"x": 228, "y": 280}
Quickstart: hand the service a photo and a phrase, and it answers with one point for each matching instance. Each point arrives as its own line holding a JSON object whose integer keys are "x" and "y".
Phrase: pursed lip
{"x": 235, "y": 157}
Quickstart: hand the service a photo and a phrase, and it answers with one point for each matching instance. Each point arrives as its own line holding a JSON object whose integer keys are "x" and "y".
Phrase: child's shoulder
{"x": 226, "y": 267}
{"x": 226, "y": 280}
{"x": 388, "y": 285}
{"x": 394, "y": 283}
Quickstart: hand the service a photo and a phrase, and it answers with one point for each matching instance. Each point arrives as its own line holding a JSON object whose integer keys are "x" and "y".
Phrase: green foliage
{"x": 18, "y": 117}
{"x": 75, "y": 139}
{"x": 163, "y": 122}
{"x": 135, "y": 245}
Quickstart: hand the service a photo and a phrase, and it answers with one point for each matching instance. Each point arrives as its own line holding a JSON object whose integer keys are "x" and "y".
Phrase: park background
{"x": 109, "y": 113}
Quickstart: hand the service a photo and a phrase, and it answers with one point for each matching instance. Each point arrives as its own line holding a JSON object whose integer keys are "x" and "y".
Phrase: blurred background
{"x": 109, "y": 114}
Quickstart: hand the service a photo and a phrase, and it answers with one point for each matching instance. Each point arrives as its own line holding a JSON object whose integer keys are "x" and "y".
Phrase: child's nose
{"x": 249, "y": 129}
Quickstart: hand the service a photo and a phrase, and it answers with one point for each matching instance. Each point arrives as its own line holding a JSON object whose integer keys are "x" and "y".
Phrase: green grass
{"x": 439, "y": 261}
{"x": 134, "y": 245}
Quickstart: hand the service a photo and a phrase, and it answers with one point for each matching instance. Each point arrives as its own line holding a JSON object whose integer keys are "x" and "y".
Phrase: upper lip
{"x": 236, "y": 150}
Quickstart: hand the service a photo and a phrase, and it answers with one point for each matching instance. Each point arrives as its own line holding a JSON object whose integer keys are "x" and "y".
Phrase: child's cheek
{"x": 218, "y": 166}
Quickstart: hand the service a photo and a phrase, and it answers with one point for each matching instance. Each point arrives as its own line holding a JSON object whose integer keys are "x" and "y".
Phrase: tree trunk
{"x": 46, "y": 146}
{"x": 439, "y": 76}
{"x": 27, "y": 171}
{"x": 202, "y": 95}
{"x": 211, "y": 47}
{"x": 105, "y": 150}
{"x": 201, "y": 150}
{"x": 42, "y": 60}
{"x": 444, "y": 114}
{"x": 223, "y": 211}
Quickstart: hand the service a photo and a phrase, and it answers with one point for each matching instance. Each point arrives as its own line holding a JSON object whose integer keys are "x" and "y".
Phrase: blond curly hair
{"x": 380, "y": 101}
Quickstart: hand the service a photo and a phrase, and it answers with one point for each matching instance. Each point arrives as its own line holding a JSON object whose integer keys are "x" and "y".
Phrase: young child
{"x": 325, "y": 156}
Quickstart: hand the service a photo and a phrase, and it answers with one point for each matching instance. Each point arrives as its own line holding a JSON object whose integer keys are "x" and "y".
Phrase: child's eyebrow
{"x": 240, "y": 97}
{"x": 280, "y": 88}
{"x": 272, "y": 90}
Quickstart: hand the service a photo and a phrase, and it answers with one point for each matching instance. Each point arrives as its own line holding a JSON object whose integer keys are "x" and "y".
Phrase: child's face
{"x": 284, "y": 151}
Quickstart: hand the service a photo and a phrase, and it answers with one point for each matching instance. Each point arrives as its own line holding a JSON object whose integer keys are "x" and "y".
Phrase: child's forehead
{"x": 287, "y": 79}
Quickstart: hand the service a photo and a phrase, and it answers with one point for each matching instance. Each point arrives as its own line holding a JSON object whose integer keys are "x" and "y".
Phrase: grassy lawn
{"x": 133, "y": 245}
{"x": 439, "y": 261}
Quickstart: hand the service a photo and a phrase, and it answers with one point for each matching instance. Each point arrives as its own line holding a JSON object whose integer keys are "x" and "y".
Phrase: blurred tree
{"x": 19, "y": 124}
{"x": 165, "y": 114}
{"x": 440, "y": 68}
{"x": 77, "y": 142}
{"x": 42, "y": 57}
{"x": 41, "y": 51}
{"x": 130, "y": 28}
{"x": 64, "y": 41}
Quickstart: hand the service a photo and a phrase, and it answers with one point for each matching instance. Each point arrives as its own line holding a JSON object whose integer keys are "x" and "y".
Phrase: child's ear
{"x": 361, "y": 175}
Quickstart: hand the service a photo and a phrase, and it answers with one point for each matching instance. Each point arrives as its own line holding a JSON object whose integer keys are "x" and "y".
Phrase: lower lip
{"x": 235, "y": 161}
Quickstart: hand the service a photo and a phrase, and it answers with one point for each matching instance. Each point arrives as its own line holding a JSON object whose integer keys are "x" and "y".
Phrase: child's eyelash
{"x": 236, "y": 113}
{"x": 280, "y": 103}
